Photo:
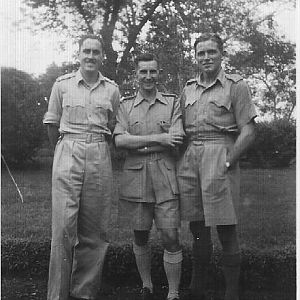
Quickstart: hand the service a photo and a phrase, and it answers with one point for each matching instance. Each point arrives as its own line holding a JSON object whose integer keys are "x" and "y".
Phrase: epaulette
{"x": 66, "y": 76}
{"x": 127, "y": 98}
{"x": 191, "y": 81}
{"x": 110, "y": 81}
{"x": 169, "y": 95}
{"x": 234, "y": 77}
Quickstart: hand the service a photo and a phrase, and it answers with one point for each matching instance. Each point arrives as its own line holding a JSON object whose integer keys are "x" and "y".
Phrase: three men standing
{"x": 218, "y": 118}
{"x": 149, "y": 126}
{"x": 80, "y": 117}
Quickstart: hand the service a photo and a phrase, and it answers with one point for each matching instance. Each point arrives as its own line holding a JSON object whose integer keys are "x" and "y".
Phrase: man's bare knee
{"x": 170, "y": 239}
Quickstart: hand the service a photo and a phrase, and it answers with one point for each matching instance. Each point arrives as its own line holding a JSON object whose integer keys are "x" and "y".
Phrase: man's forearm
{"x": 53, "y": 135}
{"x": 129, "y": 141}
{"x": 243, "y": 142}
{"x": 151, "y": 149}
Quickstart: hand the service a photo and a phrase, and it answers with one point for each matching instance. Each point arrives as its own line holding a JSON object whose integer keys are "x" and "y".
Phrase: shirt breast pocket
{"x": 74, "y": 110}
{"x": 190, "y": 114}
{"x": 164, "y": 125}
{"x": 220, "y": 111}
{"x": 102, "y": 110}
{"x": 219, "y": 106}
{"x": 135, "y": 127}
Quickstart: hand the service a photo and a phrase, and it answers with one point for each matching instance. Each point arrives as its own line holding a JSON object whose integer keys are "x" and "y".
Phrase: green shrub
{"x": 22, "y": 130}
{"x": 274, "y": 146}
{"x": 274, "y": 270}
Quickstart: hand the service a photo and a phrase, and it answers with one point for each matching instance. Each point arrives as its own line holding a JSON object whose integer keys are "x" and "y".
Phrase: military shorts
{"x": 149, "y": 191}
{"x": 149, "y": 178}
{"x": 140, "y": 215}
{"x": 208, "y": 190}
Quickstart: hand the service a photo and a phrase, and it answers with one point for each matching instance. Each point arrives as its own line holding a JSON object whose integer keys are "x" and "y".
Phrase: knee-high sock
{"x": 172, "y": 265}
{"x": 143, "y": 262}
{"x": 201, "y": 256}
{"x": 231, "y": 270}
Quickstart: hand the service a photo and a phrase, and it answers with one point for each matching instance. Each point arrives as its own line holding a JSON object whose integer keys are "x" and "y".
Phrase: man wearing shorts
{"x": 218, "y": 118}
{"x": 149, "y": 126}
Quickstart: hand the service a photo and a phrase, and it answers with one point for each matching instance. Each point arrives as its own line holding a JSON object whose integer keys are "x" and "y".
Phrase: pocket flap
{"x": 68, "y": 101}
{"x": 222, "y": 102}
{"x": 165, "y": 126}
{"x": 105, "y": 105}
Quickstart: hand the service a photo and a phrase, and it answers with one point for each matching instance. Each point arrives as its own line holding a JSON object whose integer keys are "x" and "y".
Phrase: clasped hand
{"x": 171, "y": 139}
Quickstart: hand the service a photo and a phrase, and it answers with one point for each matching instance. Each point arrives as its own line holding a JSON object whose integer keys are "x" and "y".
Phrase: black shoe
{"x": 146, "y": 294}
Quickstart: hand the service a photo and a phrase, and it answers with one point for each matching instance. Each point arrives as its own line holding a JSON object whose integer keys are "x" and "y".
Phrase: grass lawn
{"x": 36, "y": 289}
{"x": 268, "y": 208}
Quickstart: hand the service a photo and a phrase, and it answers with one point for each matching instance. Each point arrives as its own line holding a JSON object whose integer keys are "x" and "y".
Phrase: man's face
{"x": 147, "y": 75}
{"x": 90, "y": 55}
{"x": 209, "y": 57}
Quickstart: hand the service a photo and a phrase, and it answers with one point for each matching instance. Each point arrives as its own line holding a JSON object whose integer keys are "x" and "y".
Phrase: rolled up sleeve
{"x": 176, "y": 121}
{"x": 243, "y": 106}
{"x": 115, "y": 102}
{"x": 53, "y": 115}
{"x": 121, "y": 120}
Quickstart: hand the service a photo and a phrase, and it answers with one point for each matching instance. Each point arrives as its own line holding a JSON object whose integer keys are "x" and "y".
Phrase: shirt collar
{"x": 139, "y": 98}
{"x": 79, "y": 77}
{"x": 220, "y": 77}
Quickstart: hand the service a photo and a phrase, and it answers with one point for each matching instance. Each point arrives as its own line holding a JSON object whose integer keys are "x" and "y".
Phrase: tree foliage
{"x": 52, "y": 73}
{"x": 21, "y": 116}
{"x": 269, "y": 65}
{"x": 169, "y": 27}
{"x": 113, "y": 19}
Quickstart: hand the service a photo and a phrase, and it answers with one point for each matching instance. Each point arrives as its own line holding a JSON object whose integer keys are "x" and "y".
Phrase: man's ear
{"x": 224, "y": 53}
{"x": 160, "y": 71}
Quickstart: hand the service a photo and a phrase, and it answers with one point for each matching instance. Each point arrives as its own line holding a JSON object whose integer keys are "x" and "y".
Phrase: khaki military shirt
{"x": 77, "y": 108}
{"x": 139, "y": 117}
{"x": 224, "y": 106}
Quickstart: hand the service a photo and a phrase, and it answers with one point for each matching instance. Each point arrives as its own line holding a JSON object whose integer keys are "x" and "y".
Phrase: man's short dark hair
{"x": 145, "y": 57}
{"x": 92, "y": 37}
{"x": 209, "y": 37}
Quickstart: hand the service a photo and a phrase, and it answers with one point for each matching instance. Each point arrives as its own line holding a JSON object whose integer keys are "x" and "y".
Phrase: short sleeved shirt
{"x": 137, "y": 116}
{"x": 224, "y": 106}
{"x": 77, "y": 108}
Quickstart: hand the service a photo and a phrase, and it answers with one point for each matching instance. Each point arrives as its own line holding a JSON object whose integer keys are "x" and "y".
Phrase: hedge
{"x": 260, "y": 270}
{"x": 274, "y": 145}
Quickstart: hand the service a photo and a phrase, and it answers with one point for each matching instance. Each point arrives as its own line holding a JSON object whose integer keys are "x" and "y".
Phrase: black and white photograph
{"x": 148, "y": 149}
